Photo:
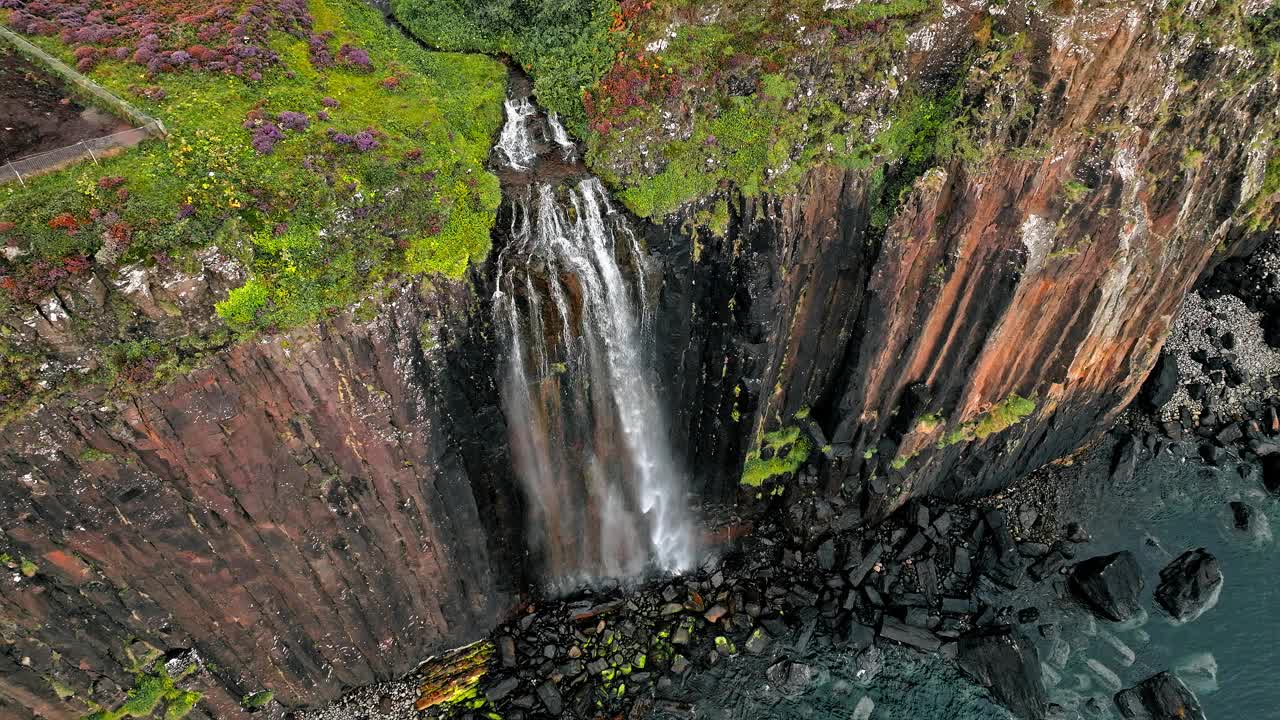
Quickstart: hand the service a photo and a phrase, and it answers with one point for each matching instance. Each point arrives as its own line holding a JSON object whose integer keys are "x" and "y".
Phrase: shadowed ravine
{"x": 590, "y": 445}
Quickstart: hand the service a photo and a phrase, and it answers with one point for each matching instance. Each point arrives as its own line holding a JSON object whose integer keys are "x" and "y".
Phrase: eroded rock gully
{"x": 323, "y": 509}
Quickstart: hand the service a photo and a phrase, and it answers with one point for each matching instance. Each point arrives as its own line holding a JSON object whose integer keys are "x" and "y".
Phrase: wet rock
{"x": 827, "y": 555}
{"x": 1199, "y": 671}
{"x": 1125, "y": 461}
{"x": 1271, "y": 473}
{"x": 758, "y": 642}
{"x": 1008, "y": 664}
{"x": 1160, "y": 697}
{"x": 1120, "y": 650}
{"x": 1161, "y": 384}
{"x": 863, "y": 710}
{"x": 550, "y": 697}
{"x": 1110, "y": 584}
{"x": 502, "y": 689}
{"x": 1242, "y": 515}
{"x": 868, "y": 664}
{"x": 1048, "y": 565}
{"x": 507, "y": 649}
{"x": 859, "y": 636}
{"x": 919, "y": 638}
{"x": 1059, "y": 653}
{"x": 1104, "y": 674}
{"x": 1189, "y": 585}
{"x": 790, "y": 678}
{"x": 715, "y": 613}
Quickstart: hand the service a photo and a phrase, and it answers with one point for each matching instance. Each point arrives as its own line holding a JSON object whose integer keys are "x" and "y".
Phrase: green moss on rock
{"x": 1002, "y": 416}
{"x": 788, "y": 452}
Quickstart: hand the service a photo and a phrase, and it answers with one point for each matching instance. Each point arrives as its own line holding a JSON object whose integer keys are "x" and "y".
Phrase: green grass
{"x": 565, "y": 45}
{"x": 315, "y": 239}
{"x": 790, "y": 451}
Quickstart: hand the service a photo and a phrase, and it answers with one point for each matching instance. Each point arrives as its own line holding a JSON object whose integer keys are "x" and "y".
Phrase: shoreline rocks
{"x": 1008, "y": 664}
{"x": 1110, "y": 585}
{"x": 1159, "y": 697}
{"x": 1189, "y": 585}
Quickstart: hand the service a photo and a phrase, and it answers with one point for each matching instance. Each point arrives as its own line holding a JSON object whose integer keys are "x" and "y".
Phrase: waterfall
{"x": 514, "y": 142}
{"x": 590, "y": 443}
{"x": 560, "y": 136}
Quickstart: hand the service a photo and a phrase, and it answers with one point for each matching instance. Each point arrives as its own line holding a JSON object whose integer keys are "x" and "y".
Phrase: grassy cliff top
{"x": 679, "y": 101}
{"x": 306, "y": 138}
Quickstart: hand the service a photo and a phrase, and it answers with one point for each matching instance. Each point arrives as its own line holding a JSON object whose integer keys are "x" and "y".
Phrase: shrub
{"x": 294, "y": 121}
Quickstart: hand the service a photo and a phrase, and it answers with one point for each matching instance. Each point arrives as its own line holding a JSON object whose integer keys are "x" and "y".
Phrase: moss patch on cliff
{"x": 1001, "y": 416}
{"x": 152, "y": 690}
{"x": 780, "y": 452}
{"x": 324, "y": 175}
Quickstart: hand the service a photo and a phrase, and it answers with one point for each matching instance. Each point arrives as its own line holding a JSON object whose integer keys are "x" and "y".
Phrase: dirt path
{"x": 36, "y": 113}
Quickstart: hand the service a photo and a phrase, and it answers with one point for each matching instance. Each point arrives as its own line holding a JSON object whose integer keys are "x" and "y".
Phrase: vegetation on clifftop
{"x": 326, "y": 155}
{"x": 680, "y": 101}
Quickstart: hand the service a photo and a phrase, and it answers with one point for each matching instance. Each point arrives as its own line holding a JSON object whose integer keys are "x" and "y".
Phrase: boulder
{"x": 1189, "y": 585}
{"x": 1242, "y": 515}
{"x": 919, "y": 638}
{"x": 1271, "y": 472}
{"x": 791, "y": 678}
{"x": 550, "y": 697}
{"x": 1160, "y": 697}
{"x": 1161, "y": 383}
{"x": 1111, "y": 585}
{"x": 1007, "y": 663}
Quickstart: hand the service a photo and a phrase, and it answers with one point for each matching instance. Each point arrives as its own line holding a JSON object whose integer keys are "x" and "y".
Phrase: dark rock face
{"x": 312, "y": 513}
{"x": 1110, "y": 584}
{"x": 1008, "y": 664}
{"x": 1189, "y": 585}
{"x": 901, "y": 343}
{"x": 1160, "y": 697}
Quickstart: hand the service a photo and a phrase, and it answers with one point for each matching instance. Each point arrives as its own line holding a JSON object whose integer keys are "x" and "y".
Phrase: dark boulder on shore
{"x": 1189, "y": 585}
{"x": 1161, "y": 384}
{"x": 1007, "y": 663}
{"x": 1111, "y": 585}
{"x": 1160, "y": 697}
{"x": 1271, "y": 472}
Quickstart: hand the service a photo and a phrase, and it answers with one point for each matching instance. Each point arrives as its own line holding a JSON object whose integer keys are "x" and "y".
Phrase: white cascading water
{"x": 591, "y": 447}
{"x": 514, "y": 142}
{"x": 560, "y": 136}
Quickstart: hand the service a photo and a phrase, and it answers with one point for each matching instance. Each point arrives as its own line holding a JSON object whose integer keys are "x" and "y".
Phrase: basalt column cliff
{"x": 943, "y": 270}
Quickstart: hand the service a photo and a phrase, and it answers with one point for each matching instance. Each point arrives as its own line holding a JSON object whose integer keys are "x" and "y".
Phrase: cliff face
{"x": 1014, "y": 304}
{"x": 309, "y": 513}
{"x": 323, "y": 509}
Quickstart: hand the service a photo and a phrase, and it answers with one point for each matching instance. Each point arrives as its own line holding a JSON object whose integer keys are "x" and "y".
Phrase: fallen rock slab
{"x": 1111, "y": 585}
{"x": 1007, "y": 663}
{"x": 918, "y": 638}
{"x": 1160, "y": 697}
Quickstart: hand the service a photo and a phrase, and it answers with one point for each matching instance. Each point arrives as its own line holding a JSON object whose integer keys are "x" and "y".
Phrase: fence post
{"x": 15, "y": 172}
{"x": 86, "y": 147}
